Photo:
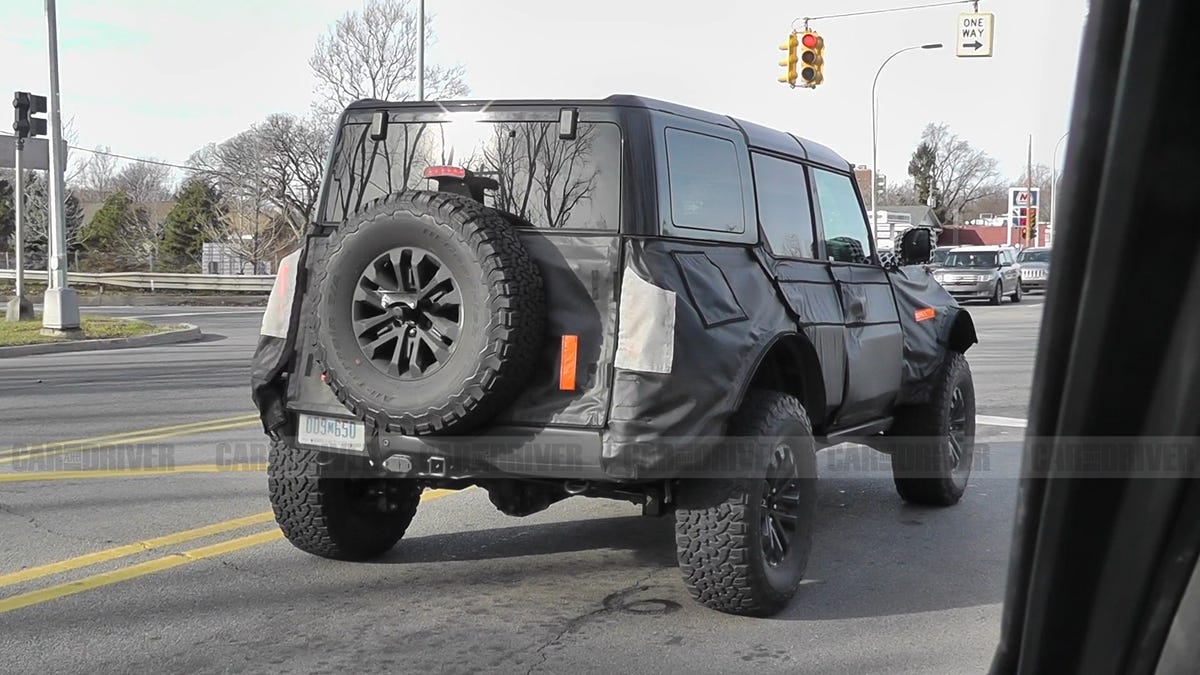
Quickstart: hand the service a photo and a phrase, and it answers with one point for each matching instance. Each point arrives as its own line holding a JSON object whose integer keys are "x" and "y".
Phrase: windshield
{"x": 542, "y": 179}
{"x": 1036, "y": 256}
{"x": 971, "y": 259}
{"x": 939, "y": 254}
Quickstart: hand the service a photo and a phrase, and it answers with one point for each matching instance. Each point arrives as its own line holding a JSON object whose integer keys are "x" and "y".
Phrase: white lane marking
{"x": 257, "y": 310}
{"x": 994, "y": 421}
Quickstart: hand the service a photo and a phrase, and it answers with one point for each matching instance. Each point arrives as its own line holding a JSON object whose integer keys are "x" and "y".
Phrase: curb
{"x": 187, "y": 333}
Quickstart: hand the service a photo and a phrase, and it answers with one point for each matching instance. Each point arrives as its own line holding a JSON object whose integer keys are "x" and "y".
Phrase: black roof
{"x": 757, "y": 135}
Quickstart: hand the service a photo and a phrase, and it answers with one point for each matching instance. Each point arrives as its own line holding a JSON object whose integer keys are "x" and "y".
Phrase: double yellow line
{"x": 142, "y": 569}
{"x": 123, "y": 438}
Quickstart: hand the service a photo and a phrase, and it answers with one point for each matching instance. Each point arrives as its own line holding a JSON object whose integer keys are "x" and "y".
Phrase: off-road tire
{"x": 997, "y": 294}
{"x": 502, "y": 313}
{"x": 316, "y": 510}
{"x": 923, "y": 464}
{"x": 719, "y": 521}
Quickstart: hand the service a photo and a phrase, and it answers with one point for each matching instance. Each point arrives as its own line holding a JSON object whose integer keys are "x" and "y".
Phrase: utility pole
{"x": 19, "y": 308}
{"x": 420, "y": 50}
{"x": 60, "y": 314}
{"x": 1031, "y": 210}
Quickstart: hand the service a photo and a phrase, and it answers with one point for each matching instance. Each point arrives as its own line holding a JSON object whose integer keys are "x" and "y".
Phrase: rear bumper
{"x": 550, "y": 453}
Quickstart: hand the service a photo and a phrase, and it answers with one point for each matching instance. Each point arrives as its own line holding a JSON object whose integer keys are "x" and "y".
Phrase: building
{"x": 892, "y": 221}
{"x": 227, "y": 259}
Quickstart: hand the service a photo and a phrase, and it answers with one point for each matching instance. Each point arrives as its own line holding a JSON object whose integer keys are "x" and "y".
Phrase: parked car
{"x": 1035, "y": 268}
{"x": 981, "y": 272}
{"x": 656, "y": 323}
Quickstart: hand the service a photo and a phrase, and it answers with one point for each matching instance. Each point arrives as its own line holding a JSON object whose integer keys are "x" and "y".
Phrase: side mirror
{"x": 916, "y": 246}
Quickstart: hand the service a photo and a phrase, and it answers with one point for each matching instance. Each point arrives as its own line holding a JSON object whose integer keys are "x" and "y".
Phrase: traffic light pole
{"x": 60, "y": 314}
{"x": 19, "y": 308}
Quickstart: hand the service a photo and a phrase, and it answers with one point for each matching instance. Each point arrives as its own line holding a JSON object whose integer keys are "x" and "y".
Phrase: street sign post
{"x": 35, "y": 157}
{"x": 974, "y": 34}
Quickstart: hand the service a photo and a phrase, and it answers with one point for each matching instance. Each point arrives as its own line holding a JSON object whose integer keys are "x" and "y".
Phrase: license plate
{"x": 329, "y": 432}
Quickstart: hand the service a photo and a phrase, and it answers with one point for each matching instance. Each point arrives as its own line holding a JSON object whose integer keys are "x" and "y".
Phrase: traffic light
{"x": 26, "y": 105}
{"x": 812, "y": 58}
{"x": 790, "y": 47}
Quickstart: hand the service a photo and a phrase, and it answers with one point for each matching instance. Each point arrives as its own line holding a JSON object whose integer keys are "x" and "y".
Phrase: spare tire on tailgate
{"x": 431, "y": 313}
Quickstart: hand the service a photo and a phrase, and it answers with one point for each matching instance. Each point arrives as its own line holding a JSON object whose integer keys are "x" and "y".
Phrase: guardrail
{"x": 160, "y": 281}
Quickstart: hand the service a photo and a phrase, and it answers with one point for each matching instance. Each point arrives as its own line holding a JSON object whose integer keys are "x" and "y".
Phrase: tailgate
{"x": 579, "y": 272}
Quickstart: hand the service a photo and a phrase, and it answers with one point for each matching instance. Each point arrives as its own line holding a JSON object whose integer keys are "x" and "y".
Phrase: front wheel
{"x": 743, "y": 542}
{"x": 934, "y": 442}
{"x": 997, "y": 294}
{"x": 324, "y": 508}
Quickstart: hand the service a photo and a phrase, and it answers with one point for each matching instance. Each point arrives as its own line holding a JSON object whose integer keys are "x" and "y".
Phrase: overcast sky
{"x": 162, "y": 78}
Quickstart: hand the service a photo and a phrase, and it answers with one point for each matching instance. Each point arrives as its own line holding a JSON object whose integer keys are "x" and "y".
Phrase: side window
{"x": 705, "y": 182}
{"x": 846, "y": 236}
{"x": 781, "y": 188}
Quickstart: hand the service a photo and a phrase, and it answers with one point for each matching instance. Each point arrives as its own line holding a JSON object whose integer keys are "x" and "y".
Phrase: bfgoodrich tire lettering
{"x": 500, "y": 327}
{"x": 723, "y": 527}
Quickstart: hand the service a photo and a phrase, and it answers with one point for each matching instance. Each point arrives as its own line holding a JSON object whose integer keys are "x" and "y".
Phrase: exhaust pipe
{"x": 576, "y": 487}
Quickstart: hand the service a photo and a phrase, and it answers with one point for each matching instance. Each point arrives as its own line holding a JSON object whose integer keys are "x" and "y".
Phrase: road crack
{"x": 608, "y": 605}
{"x": 42, "y": 527}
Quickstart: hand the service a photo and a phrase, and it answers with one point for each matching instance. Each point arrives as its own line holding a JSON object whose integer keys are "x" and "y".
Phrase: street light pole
{"x": 420, "y": 50}
{"x": 60, "y": 314}
{"x": 1054, "y": 184}
{"x": 875, "y": 130}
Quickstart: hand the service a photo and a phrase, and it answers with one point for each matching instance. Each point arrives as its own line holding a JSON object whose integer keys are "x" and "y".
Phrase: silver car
{"x": 981, "y": 273}
{"x": 1035, "y": 268}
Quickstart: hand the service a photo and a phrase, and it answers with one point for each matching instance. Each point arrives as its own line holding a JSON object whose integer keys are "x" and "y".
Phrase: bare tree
{"x": 144, "y": 183}
{"x": 292, "y": 153}
{"x": 272, "y": 168}
{"x": 98, "y": 175}
{"x": 954, "y": 172}
{"x": 372, "y": 53}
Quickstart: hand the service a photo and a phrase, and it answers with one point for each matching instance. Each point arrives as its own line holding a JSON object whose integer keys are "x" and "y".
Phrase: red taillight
{"x": 444, "y": 171}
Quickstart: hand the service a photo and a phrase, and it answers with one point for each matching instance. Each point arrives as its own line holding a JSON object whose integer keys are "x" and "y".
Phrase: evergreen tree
{"x": 194, "y": 215}
{"x": 103, "y": 236}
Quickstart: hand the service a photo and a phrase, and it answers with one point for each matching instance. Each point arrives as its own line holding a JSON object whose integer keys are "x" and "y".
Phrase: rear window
{"x": 545, "y": 180}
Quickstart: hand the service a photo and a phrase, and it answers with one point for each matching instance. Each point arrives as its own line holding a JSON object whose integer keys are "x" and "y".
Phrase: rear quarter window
{"x": 705, "y": 182}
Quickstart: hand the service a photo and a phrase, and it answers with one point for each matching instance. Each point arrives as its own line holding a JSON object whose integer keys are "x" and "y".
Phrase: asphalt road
{"x": 108, "y": 571}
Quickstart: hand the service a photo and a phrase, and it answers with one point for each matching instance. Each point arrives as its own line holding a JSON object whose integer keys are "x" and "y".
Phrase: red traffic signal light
{"x": 812, "y": 55}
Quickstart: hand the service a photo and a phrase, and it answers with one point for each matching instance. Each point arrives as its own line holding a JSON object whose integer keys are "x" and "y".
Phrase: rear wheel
{"x": 931, "y": 458}
{"x": 743, "y": 543}
{"x": 324, "y": 508}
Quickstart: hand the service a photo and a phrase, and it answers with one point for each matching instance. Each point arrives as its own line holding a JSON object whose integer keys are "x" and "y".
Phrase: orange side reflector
{"x": 568, "y": 362}
{"x": 925, "y": 314}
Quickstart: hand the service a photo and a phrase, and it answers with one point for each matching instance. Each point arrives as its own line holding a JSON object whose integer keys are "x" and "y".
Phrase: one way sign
{"x": 975, "y": 34}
